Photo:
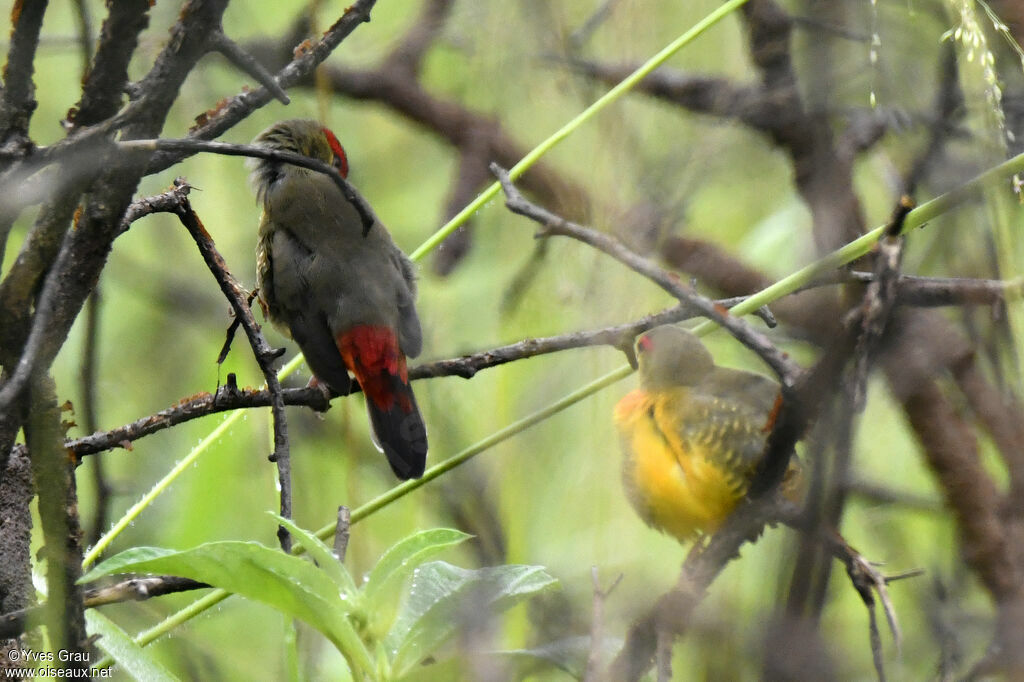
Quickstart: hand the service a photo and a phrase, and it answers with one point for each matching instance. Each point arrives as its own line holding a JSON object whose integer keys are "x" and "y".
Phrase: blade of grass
{"x": 164, "y": 483}
{"x": 627, "y": 84}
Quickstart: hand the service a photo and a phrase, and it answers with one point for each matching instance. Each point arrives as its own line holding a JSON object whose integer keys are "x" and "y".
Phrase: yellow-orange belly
{"x": 672, "y": 484}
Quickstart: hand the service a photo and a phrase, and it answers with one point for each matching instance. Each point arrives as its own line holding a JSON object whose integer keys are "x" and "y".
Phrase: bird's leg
{"x": 321, "y": 386}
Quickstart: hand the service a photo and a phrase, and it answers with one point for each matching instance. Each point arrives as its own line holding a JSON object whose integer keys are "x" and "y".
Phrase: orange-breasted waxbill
{"x": 344, "y": 294}
{"x": 692, "y": 434}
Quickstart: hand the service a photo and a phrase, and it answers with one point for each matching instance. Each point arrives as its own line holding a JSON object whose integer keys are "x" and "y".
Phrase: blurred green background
{"x": 554, "y": 489}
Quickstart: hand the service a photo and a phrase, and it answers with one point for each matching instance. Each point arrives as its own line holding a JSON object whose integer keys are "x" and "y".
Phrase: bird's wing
{"x": 358, "y": 278}
{"x": 755, "y": 391}
{"x": 292, "y": 306}
{"x": 755, "y": 399}
{"x": 410, "y": 334}
{"x": 714, "y": 430}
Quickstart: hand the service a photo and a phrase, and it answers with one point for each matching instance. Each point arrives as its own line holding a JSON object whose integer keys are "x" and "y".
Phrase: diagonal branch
{"x": 17, "y": 99}
{"x": 246, "y": 63}
{"x": 243, "y": 104}
{"x": 105, "y": 83}
{"x": 552, "y": 224}
{"x": 265, "y": 355}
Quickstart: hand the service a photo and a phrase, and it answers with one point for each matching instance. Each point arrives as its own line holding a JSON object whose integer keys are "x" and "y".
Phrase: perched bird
{"x": 692, "y": 434}
{"x": 344, "y": 294}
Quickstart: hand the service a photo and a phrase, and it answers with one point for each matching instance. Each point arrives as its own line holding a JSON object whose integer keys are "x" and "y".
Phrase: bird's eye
{"x": 644, "y": 344}
{"x": 341, "y": 163}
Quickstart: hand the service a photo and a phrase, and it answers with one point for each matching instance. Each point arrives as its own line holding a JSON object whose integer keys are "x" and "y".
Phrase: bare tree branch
{"x": 264, "y": 354}
{"x": 552, "y": 224}
{"x": 243, "y": 104}
{"x": 103, "y": 88}
{"x": 248, "y": 64}
{"x": 17, "y": 99}
{"x": 230, "y": 397}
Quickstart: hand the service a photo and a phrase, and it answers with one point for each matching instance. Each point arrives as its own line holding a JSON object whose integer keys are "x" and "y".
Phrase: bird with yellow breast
{"x": 692, "y": 434}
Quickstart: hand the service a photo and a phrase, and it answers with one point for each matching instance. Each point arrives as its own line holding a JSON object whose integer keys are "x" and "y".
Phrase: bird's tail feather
{"x": 373, "y": 355}
{"x": 399, "y": 431}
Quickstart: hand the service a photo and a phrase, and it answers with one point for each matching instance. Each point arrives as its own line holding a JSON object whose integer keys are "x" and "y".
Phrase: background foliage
{"x": 550, "y": 496}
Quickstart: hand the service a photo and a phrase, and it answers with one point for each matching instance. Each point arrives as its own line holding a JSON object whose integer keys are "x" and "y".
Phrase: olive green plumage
{"x": 692, "y": 434}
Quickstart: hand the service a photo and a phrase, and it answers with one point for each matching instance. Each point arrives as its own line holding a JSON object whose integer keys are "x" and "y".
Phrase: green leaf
{"x": 323, "y": 556}
{"x": 383, "y": 585}
{"x": 119, "y": 645}
{"x": 287, "y": 583}
{"x": 442, "y": 595}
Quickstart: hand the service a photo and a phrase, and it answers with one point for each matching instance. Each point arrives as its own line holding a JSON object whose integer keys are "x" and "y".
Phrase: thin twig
{"x": 931, "y": 292}
{"x": 594, "y": 671}
{"x": 165, "y": 202}
{"x": 17, "y": 623}
{"x": 264, "y": 354}
{"x": 552, "y": 224}
{"x": 230, "y": 397}
{"x": 219, "y": 42}
{"x": 244, "y": 103}
{"x": 342, "y": 532}
{"x": 260, "y": 152}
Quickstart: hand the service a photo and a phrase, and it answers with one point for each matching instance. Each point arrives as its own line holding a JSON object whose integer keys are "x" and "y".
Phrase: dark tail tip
{"x": 403, "y": 437}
